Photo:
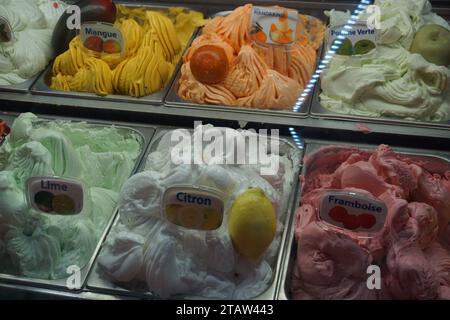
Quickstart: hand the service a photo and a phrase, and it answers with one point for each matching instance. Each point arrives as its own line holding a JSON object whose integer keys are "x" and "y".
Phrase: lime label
{"x": 193, "y": 208}
{"x": 6, "y": 32}
{"x": 353, "y": 211}
{"x": 275, "y": 26}
{"x": 358, "y": 40}
{"x": 53, "y": 195}
{"x": 102, "y": 37}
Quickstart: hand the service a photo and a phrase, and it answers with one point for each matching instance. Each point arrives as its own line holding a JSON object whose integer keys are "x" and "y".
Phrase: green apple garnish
{"x": 433, "y": 43}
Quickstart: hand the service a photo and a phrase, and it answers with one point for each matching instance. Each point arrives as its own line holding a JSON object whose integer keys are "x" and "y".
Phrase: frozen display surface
{"x": 412, "y": 249}
{"x": 25, "y": 52}
{"x": 155, "y": 37}
{"x": 398, "y": 81}
{"x": 145, "y": 256}
{"x": 37, "y": 248}
{"x": 259, "y": 78}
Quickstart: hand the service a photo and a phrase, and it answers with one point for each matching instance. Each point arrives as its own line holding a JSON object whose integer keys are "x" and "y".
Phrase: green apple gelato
{"x": 39, "y": 245}
{"x": 391, "y": 80}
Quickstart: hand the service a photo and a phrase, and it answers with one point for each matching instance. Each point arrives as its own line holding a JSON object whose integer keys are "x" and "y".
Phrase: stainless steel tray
{"x": 435, "y": 160}
{"x": 100, "y": 284}
{"x": 173, "y": 100}
{"x": 22, "y": 87}
{"x": 145, "y": 134}
{"x": 318, "y": 111}
{"x": 42, "y": 85}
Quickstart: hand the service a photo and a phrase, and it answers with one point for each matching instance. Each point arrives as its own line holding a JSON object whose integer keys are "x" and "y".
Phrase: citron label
{"x": 273, "y": 26}
{"x": 53, "y": 195}
{"x": 193, "y": 208}
{"x": 102, "y": 37}
{"x": 6, "y": 32}
{"x": 353, "y": 211}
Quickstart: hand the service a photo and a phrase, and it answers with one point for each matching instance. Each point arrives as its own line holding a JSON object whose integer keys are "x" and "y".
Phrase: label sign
{"x": 4, "y": 131}
{"x": 193, "y": 208}
{"x": 102, "y": 37}
{"x": 276, "y": 26}
{"x": 353, "y": 211}
{"x": 6, "y": 33}
{"x": 361, "y": 39}
{"x": 53, "y": 195}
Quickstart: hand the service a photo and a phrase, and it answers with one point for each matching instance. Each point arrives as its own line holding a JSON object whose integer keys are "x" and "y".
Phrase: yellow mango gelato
{"x": 154, "y": 41}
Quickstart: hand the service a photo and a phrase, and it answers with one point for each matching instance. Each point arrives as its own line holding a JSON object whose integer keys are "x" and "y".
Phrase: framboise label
{"x": 53, "y": 195}
{"x": 360, "y": 39}
{"x": 353, "y": 211}
{"x": 193, "y": 208}
{"x": 276, "y": 26}
{"x": 102, "y": 37}
{"x": 6, "y": 32}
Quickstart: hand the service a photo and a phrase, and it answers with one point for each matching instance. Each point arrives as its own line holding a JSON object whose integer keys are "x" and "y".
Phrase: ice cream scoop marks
{"x": 220, "y": 146}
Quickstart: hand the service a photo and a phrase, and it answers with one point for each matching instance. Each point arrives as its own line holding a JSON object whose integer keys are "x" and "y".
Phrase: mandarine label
{"x": 271, "y": 25}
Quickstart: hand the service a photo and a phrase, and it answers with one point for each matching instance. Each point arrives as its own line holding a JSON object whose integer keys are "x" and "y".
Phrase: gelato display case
{"x": 218, "y": 263}
{"x": 106, "y": 194}
{"x": 330, "y": 248}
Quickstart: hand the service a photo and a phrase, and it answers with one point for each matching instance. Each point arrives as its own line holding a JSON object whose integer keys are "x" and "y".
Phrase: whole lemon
{"x": 252, "y": 223}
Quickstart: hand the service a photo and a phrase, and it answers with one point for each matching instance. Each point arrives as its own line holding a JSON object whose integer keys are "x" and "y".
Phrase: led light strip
{"x": 324, "y": 63}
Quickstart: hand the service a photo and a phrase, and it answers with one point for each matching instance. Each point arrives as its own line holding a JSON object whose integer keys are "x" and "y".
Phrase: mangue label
{"x": 273, "y": 26}
{"x": 193, "y": 208}
{"x": 353, "y": 211}
{"x": 102, "y": 37}
{"x": 359, "y": 40}
{"x": 6, "y": 32}
{"x": 53, "y": 195}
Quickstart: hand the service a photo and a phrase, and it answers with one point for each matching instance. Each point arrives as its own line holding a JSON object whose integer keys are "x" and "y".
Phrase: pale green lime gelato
{"x": 39, "y": 245}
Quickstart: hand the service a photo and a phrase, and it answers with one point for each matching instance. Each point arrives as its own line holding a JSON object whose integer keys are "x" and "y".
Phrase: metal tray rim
{"x": 269, "y": 292}
{"x": 145, "y": 138}
{"x": 40, "y": 86}
{"x": 290, "y": 252}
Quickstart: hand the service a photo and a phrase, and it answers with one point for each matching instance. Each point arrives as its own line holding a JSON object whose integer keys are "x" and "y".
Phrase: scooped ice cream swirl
{"x": 29, "y": 50}
{"x": 257, "y": 76}
{"x": 42, "y": 246}
{"x": 153, "y": 44}
{"x": 144, "y": 249}
{"x": 390, "y": 81}
{"x": 411, "y": 250}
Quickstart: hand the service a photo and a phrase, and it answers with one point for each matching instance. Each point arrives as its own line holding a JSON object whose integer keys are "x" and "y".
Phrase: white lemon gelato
{"x": 144, "y": 249}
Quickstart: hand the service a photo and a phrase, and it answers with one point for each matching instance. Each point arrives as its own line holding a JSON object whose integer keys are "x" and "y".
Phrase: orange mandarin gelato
{"x": 259, "y": 76}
